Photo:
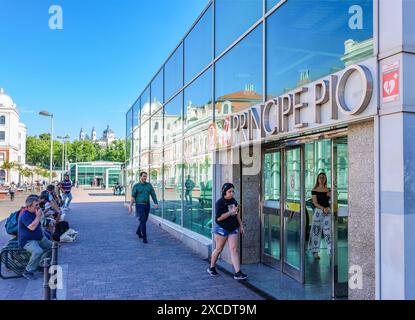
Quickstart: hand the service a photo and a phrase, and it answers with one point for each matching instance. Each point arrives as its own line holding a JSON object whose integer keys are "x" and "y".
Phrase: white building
{"x": 108, "y": 136}
{"x": 12, "y": 138}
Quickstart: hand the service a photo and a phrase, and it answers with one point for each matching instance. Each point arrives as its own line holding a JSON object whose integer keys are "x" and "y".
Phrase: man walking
{"x": 141, "y": 197}
{"x": 31, "y": 236}
{"x": 66, "y": 186}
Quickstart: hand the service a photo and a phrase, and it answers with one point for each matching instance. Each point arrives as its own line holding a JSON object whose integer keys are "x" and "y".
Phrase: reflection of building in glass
{"x": 355, "y": 51}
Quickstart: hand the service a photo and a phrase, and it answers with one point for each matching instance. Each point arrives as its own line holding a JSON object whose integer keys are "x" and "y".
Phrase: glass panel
{"x": 145, "y": 105}
{"x": 173, "y": 115}
{"x": 197, "y": 186}
{"x": 136, "y": 153}
{"x": 157, "y": 99}
{"x": 136, "y": 113}
{"x": 271, "y": 4}
{"x": 145, "y": 146}
{"x": 173, "y": 166}
{"x": 342, "y": 213}
{"x": 129, "y": 122}
{"x": 233, "y": 18}
{"x": 271, "y": 194}
{"x": 238, "y": 81}
{"x": 318, "y": 159}
{"x": 198, "y": 112}
{"x": 307, "y": 41}
{"x": 198, "y": 47}
{"x": 156, "y": 158}
{"x": 173, "y": 72}
{"x": 292, "y": 212}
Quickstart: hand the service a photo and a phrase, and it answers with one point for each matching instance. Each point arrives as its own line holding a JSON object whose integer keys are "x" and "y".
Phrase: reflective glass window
{"x": 307, "y": 40}
{"x": 198, "y": 111}
{"x": 145, "y": 105}
{"x": 157, "y": 99}
{"x": 129, "y": 122}
{"x": 233, "y": 18}
{"x": 173, "y": 188}
{"x": 238, "y": 82}
{"x": 136, "y": 113}
{"x": 198, "y": 46}
{"x": 145, "y": 146}
{"x": 173, "y": 73}
{"x": 156, "y": 158}
{"x": 272, "y": 3}
{"x": 173, "y": 116}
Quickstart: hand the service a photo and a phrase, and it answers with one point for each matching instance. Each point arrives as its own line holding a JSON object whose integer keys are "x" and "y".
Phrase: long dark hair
{"x": 317, "y": 183}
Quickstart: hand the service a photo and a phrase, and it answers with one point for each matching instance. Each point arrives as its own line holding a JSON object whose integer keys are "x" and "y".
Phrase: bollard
{"x": 54, "y": 262}
{"x": 46, "y": 277}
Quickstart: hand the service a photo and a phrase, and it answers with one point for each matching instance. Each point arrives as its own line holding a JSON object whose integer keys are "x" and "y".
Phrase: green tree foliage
{"x": 38, "y": 151}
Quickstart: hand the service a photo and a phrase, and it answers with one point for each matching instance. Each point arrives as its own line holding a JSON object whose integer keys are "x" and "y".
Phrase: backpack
{"x": 60, "y": 229}
{"x": 12, "y": 223}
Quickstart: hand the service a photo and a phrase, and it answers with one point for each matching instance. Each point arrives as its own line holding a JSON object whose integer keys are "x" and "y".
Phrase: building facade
{"x": 108, "y": 136}
{"x": 290, "y": 89}
{"x": 97, "y": 173}
{"x": 12, "y": 139}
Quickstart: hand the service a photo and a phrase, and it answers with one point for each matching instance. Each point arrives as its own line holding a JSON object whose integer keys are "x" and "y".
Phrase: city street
{"x": 108, "y": 261}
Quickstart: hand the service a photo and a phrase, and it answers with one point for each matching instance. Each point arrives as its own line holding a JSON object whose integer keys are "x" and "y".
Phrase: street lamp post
{"x": 64, "y": 152}
{"x": 47, "y": 114}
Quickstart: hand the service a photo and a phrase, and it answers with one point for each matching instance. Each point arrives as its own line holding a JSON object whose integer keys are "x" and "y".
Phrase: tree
{"x": 7, "y": 166}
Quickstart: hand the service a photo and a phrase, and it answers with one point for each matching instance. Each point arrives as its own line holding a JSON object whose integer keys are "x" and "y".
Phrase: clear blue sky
{"x": 89, "y": 73}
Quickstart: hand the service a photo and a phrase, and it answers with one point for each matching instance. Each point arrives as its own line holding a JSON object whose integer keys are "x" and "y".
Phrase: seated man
{"x": 31, "y": 236}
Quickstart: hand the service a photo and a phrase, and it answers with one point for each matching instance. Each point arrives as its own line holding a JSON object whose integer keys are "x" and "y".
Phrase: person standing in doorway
{"x": 228, "y": 221}
{"x": 65, "y": 187}
{"x": 12, "y": 191}
{"x": 321, "y": 217}
{"x": 140, "y": 195}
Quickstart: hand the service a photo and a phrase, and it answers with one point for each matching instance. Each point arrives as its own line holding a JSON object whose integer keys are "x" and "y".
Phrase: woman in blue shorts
{"x": 228, "y": 222}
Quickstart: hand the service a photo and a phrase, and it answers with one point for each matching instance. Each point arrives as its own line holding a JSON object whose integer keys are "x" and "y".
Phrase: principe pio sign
{"x": 338, "y": 98}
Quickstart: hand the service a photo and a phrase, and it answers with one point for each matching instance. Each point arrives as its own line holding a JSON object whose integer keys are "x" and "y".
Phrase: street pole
{"x": 63, "y": 152}
{"x": 51, "y": 150}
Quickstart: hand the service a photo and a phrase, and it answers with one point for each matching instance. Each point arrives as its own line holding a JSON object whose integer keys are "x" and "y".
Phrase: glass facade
{"x": 304, "y": 41}
{"x": 305, "y": 45}
{"x": 96, "y": 174}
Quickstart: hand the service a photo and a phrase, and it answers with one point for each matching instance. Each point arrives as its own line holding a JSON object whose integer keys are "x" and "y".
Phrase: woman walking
{"x": 321, "y": 217}
{"x": 228, "y": 221}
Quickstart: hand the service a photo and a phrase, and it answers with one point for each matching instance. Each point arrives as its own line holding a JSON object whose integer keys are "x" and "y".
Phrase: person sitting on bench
{"x": 31, "y": 236}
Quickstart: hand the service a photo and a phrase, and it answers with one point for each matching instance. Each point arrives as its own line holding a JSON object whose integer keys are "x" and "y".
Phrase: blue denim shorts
{"x": 222, "y": 232}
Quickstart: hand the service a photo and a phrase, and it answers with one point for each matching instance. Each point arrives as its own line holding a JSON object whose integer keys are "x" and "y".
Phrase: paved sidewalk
{"x": 108, "y": 261}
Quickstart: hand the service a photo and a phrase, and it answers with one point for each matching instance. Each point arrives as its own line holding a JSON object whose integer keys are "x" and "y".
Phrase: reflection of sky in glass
{"x": 129, "y": 120}
{"x": 233, "y": 18}
{"x": 145, "y": 105}
{"x": 157, "y": 88}
{"x": 308, "y": 44}
{"x": 173, "y": 72}
{"x": 272, "y": 3}
{"x": 199, "y": 92}
{"x": 174, "y": 107}
{"x": 241, "y": 66}
{"x": 136, "y": 113}
{"x": 198, "y": 46}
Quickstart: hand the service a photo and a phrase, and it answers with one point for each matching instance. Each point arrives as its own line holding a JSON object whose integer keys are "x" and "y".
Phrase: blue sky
{"x": 89, "y": 73}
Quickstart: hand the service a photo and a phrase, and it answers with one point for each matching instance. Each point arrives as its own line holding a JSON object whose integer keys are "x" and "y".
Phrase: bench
{"x": 13, "y": 260}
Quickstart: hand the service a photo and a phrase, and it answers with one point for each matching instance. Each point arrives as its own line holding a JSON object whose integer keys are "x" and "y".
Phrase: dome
{"x": 5, "y": 100}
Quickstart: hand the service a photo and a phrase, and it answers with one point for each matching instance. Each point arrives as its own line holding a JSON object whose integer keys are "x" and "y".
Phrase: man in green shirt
{"x": 141, "y": 197}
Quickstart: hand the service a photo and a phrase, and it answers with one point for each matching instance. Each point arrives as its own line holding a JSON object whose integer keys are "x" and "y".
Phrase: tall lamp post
{"x": 47, "y": 114}
{"x": 64, "y": 155}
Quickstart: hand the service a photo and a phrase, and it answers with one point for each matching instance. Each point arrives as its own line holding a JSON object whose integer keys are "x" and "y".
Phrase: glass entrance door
{"x": 340, "y": 218}
{"x": 293, "y": 234}
{"x": 271, "y": 209}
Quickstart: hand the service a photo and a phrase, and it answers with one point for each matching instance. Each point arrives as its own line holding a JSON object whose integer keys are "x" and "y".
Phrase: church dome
{"x": 5, "y": 100}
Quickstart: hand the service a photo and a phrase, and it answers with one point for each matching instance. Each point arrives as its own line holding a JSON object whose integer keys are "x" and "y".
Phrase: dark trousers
{"x": 142, "y": 212}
